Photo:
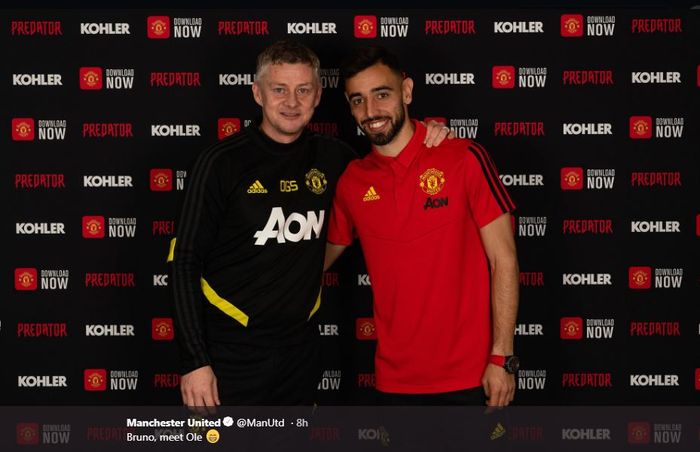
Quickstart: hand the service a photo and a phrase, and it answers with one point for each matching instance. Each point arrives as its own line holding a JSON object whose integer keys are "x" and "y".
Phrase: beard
{"x": 379, "y": 138}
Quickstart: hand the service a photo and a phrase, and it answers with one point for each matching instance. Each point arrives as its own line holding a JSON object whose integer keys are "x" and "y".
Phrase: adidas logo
{"x": 371, "y": 194}
{"x": 257, "y": 187}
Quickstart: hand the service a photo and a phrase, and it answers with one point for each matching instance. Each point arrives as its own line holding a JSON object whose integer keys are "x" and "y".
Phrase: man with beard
{"x": 248, "y": 258}
{"x": 435, "y": 230}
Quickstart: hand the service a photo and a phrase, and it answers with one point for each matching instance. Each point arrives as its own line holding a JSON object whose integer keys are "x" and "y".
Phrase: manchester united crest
{"x": 639, "y": 278}
{"x": 432, "y": 181}
{"x": 316, "y": 181}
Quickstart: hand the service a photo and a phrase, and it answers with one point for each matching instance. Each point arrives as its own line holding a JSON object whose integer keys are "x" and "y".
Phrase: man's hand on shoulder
{"x": 199, "y": 390}
{"x": 436, "y": 133}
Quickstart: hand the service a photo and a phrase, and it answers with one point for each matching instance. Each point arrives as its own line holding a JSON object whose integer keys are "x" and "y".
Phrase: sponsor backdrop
{"x": 590, "y": 116}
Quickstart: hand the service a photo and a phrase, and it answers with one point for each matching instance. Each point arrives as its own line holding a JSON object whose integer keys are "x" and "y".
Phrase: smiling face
{"x": 378, "y": 99}
{"x": 288, "y": 95}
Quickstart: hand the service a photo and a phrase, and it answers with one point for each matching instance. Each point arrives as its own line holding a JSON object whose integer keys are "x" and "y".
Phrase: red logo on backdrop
{"x": 439, "y": 119}
{"x": 22, "y": 129}
{"x": 162, "y": 329}
{"x": 503, "y": 77}
{"x": 697, "y": 225}
{"x": 91, "y": 78}
{"x": 365, "y": 329}
{"x": 93, "y": 227}
{"x": 158, "y": 27}
{"x": 365, "y": 26}
{"x": 571, "y": 25}
{"x": 697, "y": 379}
{"x": 161, "y": 179}
{"x": 640, "y": 127}
{"x": 27, "y": 433}
{"x": 95, "y": 379}
{"x": 228, "y": 126}
{"x": 572, "y": 178}
{"x": 571, "y": 327}
{"x": 640, "y": 277}
{"x": 638, "y": 432}
{"x": 25, "y": 279}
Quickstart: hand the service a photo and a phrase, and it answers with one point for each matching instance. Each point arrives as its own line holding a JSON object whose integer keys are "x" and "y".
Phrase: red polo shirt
{"x": 417, "y": 216}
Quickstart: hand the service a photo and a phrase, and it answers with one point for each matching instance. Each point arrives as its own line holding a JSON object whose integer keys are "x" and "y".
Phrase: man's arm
{"x": 333, "y": 251}
{"x": 341, "y": 228}
{"x": 201, "y": 214}
{"x": 499, "y": 245}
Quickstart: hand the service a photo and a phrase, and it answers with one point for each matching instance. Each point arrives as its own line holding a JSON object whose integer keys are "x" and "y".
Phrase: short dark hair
{"x": 364, "y": 57}
{"x": 290, "y": 52}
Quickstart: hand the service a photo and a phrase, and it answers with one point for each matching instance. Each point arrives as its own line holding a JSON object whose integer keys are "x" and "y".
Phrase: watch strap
{"x": 498, "y": 360}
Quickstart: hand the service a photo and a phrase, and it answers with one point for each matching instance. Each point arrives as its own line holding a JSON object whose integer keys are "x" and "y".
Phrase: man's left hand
{"x": 436, "y": 133}
{"x": 499, "y": 386}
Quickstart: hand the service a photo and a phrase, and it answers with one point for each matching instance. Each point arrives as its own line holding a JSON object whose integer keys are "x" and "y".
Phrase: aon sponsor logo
{"x": 293, "y": 228}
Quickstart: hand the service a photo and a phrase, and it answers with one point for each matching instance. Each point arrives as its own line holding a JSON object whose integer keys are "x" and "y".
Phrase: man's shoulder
{"x": 228, "y": 145}
{"x": 460, "y": 149}
{"x": 456, "y": 145}
{"x": 224, "y": 146}
{"x": 333, "y": 152}
{"x": 220, "y": 156}
{"x": 366, "y": 163}
{"x": 333, "y": 143}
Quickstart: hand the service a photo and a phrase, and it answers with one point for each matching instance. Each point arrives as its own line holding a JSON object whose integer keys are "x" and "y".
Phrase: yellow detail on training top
{"x": 317, "y": 305}
{"x": 171, "y": 252}
{"x": 224, "y": 305}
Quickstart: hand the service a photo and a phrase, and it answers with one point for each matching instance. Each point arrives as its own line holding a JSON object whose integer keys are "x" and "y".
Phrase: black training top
{"x": 248, "y": 257}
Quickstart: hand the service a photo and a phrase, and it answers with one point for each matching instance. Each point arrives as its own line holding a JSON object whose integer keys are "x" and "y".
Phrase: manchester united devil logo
{"x": 432, "y": 181}
{"x": 316, "y": 181}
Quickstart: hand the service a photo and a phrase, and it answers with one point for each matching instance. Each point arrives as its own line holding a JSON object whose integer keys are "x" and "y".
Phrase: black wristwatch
{"x": 510, "y": 363}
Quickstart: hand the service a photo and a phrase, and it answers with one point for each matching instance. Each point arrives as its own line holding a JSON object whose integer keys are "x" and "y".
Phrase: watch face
{"x": 512, "y": 364}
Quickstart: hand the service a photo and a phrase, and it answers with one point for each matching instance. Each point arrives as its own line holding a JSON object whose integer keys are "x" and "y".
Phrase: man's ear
{"x": 318, "y": 96}
{"x": 257, "y": 95}
{"x": 407, "y": 90}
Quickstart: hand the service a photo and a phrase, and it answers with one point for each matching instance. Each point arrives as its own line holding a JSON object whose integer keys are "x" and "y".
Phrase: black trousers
{"x": 472, "y": 396}
{"x": 249, "y": 375}
{"x": 448, "y": 421}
